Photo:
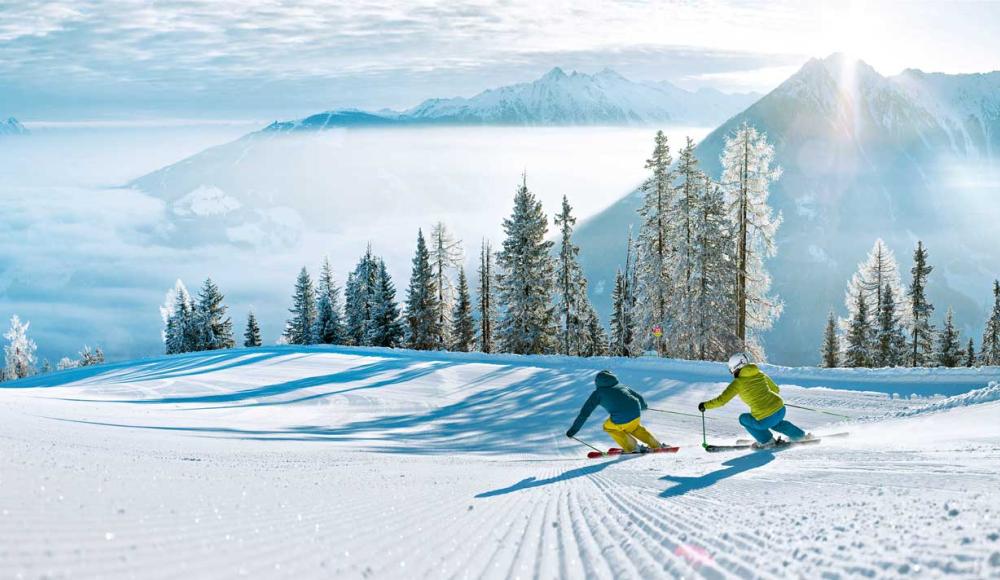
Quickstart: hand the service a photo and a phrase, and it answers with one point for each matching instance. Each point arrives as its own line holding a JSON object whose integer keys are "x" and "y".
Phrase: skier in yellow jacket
{"x": 760, "y": 393}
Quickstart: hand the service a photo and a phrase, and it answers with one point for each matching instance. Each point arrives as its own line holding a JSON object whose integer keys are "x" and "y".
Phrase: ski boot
{"x": 768, "y": 445}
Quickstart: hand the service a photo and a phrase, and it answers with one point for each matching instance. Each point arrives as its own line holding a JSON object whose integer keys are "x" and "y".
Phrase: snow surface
{"x": 339, "y": 462}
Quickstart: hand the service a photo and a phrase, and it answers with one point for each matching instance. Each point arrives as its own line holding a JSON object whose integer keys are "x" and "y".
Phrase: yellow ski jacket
{"x": 756, "y": 389}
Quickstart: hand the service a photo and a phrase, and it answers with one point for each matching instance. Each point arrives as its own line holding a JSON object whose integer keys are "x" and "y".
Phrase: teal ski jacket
{"x": 621, "y": 402}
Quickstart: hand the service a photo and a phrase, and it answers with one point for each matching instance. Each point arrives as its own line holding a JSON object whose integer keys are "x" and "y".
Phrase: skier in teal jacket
{"x": 625, "y": 407}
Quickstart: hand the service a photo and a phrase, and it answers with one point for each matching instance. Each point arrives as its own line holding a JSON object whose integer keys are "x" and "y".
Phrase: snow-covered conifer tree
{"x": 445, "y": 256}
{"x": 878, "y": 270}
{"x": 595, "y": 341}
{"x": 299, "y": 328}
{"x": 19, "y": 351}
{"x": 329, "y": 325}
{"x": 746, "y": 177}
{"x": 215, "y": 329}
{"x": 711, "y": 298}
{"x": 66, "y": 363}
{"x": 360, "y": 298}
{"x": 890, "y": 335}
{"x": 653, "y": 269}
{"x": 487, "y": 299}
{"x": 90, "y": 357}
{"x": 859, "y": 337}
{"x": 831, "y": 344}
{"x": 970, "y": 354}
{"x": 463, "y": 330}
{"x": 252, "y": 337}
{"x": 526, "y": 279}
{"x": 181, "y": 331}
{"x": 684, "y": 217}
{"x": 921, "y": 347}
{"x": 386, "y": 328}
{"x": 990, "y": 354}
{"x": 573, "y": 304}
{"x": 949, "y": 352}
{"x": 423, "y": 317}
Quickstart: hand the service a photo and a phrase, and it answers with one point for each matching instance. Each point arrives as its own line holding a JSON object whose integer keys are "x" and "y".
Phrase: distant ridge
{"x": 12, "y": 127}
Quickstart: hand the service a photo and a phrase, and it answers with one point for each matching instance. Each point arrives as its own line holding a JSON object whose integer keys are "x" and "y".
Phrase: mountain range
{"x": 12, "y": 127}
{"x": 557, "y": 98}
{"x": 904, "y": 158}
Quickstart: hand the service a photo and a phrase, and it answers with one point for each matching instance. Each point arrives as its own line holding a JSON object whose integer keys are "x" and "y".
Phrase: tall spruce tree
{"x": 574, "y": 305}
{"x": 463, "y": 329}
{"x": 299, "y": 328}
{"x": 921, "y": 347}
{"x": 215, "y": 329}
{"x": 890, "y": 335}
{"x": 596, "y": 340}
{"x": 423, "y": 318}
{"x": 859, "y": 337}
{"x": 621, "y": 324}
{"x": 684, "y": 215}
{"x": 445, "y": 256}
{"x": 990, "y": 354}
{"x": 386, "y": 327}
{"x": 655, "y": 250}
{"x": 251, "y": 337}
{"x": 360, "y": 298}
{"x": 487, "y": 299}
{"x": 831, "y": 344}
{"x": 970, "y": 354}
{"x": 526, "y": 279}
{"x": 949, "y": 352}
{"x": 746, "y": 177}
{"x": 329, "y": 325}
{"x": 712, "y": 299}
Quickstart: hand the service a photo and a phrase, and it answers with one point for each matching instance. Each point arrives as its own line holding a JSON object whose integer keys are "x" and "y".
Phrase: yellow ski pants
{"x": 625, "y": 435}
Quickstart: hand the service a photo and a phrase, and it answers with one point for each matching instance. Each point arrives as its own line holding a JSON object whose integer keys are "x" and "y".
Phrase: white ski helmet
{"x": 738, "y": 361}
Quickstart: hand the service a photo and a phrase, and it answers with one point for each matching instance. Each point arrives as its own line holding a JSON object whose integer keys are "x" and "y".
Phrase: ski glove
{"x": 570, "y": 433}
{"x": 701, "y": 407}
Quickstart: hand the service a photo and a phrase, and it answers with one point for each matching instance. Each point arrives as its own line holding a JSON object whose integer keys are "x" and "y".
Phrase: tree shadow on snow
{"x": 733, "y": 467}
{"x": 565, "y": 476}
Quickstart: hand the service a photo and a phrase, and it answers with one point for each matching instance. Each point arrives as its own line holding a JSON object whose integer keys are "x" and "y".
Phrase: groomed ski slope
{"x": 338, "y": 462}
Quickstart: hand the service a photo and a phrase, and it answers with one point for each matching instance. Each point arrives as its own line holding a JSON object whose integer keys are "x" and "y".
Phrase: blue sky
{"x": 262, "y": 59}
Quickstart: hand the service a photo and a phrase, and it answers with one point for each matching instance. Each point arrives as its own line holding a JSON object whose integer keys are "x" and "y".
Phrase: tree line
{"x": 21, "y": 360}
{"x": 887, "y": 326}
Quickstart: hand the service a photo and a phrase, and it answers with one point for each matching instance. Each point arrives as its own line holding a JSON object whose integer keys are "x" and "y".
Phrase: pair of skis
{"x": 614, "y": 451}
{"x": 781, "y": 444}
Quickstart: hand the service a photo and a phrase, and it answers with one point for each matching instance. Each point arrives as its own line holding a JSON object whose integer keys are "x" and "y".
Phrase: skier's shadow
{"x": 566, "y": 475}
{"x": 734, "y": 466}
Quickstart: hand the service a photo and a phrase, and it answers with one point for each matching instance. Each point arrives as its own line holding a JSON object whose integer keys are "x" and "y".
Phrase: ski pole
{"x": 704, "y": 437}
{"x": 817, "y": 411}
{"x": 587, "y": 444}
{"x": 679, "y": 413}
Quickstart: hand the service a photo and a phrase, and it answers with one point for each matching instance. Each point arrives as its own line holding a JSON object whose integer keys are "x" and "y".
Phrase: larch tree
{"x": 879, "y": 270}
{"x": 949, "y": 350}
{"x": 445, "y": 256}
{"x": 422, "y": 313}
{"x": 487, "y": 299}
{"x": 831, "y": 344}
{"x": 990, "y": 354}
{"x": 299, "y": 328}
{"x": 252, "y": 337}
{"x": 463, "y": 329}
{"x": 655, "y": 251}
{"x": 19, "y": 352}
{"x": 526, "y": 279}
{"x": 329, "y": 325}
{"x": 921, "y": 347}
{"x": 747, "y": 174}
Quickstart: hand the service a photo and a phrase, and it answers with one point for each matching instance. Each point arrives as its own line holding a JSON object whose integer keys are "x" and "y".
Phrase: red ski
{"x": 616, "y": 451}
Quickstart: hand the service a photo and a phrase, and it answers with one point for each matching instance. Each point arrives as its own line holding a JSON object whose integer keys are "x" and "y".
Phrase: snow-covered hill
{"x": 557, "y": 98}
{"x": 12, "y": 127}
{"x": 339, "y": 462}
{"x": 864, "y": 156}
